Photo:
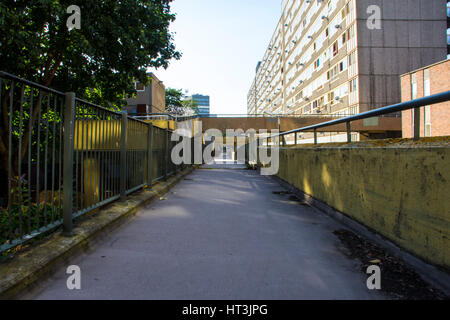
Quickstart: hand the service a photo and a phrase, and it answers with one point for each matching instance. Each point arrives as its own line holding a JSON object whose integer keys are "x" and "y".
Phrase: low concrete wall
{"x": 401, "y": 190}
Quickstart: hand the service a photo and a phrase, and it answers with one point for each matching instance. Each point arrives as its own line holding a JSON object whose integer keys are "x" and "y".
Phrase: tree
{"x": 173, "y": 101}
{"x": 190, "y": 104}
{"x": 117, "y": 43}
{"x": 177, "y": 106}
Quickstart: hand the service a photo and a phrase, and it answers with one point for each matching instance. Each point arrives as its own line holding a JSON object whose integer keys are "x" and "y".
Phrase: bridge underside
{"x": 387, "y": 126}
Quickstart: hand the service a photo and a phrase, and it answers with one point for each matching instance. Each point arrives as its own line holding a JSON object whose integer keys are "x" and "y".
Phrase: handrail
{"x": 413, "y": 104}
{"x": 10, "y": 76}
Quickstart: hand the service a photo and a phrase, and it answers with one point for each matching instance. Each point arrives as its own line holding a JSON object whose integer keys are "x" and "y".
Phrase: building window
{"x": 352, "y": 58}
{"x": 331, "y": 98}
{"x": 307, "y": 108}
{"x": 335, "y": 49}
{"x": 427, "y": 109}
{"x": 139, "y": 86}
{"x": 414, "y": 86}
{"x": 353, "y": 85}
{"x": 351, "y": 32}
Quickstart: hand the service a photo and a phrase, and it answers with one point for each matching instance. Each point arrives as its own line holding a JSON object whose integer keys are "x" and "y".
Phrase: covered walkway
{"x": 219, "y": 234}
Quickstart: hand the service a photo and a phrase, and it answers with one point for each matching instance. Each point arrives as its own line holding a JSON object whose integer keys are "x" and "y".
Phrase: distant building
{"x": 204, "y": 106}
{"x": 433, "y": 79}
{"x": 324, "y": 57}
{"x": 149, "y": 99}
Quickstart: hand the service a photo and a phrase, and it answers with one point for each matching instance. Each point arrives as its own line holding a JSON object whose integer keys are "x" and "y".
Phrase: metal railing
{"x": 413, "y": 104}
{"x": 64, "y": 157}
{"x": 265, "y": 115}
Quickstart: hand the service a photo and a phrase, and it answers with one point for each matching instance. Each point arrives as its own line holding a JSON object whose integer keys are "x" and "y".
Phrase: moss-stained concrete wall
{"x": 400, "y": 190}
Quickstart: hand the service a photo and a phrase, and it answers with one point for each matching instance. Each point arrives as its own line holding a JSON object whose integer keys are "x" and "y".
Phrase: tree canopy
{"x": 177, "y": 106}
{"x": 118, "y": 41}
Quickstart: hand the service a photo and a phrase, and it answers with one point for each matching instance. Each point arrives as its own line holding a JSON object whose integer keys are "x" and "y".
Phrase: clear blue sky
{"x": 221, "y": 42}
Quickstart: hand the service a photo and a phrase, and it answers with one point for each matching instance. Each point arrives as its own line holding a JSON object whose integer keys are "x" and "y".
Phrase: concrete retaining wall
{"x": 401, "y": 191}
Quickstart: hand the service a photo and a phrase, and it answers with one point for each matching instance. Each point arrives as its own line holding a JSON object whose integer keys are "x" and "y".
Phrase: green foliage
{"x": 176, "y": 105}
{"x": 191, "y": 104}
{"x": 28, "y": 216}
{"x": 173, "y": 98}
{"x": 117, "y": 43}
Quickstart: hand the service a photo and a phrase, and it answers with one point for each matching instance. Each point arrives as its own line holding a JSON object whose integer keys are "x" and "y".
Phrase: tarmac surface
{"x": 219, "y": 234}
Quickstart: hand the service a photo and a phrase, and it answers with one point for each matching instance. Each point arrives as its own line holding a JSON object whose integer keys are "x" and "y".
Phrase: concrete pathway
{"x": 221, "y": 234}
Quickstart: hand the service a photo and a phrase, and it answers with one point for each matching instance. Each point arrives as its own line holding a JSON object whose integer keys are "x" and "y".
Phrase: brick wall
{"x": 440, "y": 113}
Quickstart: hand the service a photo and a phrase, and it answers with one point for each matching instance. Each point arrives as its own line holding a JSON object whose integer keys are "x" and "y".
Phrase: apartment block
{"x": 344, "y": 57}
{"x": 435, "y": 119}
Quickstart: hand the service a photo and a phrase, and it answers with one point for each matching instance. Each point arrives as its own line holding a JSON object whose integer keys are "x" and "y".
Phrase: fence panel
{"x": 31, "y": 147}
{"x": 96, "y": 157}
{"x": 137, "y": 144}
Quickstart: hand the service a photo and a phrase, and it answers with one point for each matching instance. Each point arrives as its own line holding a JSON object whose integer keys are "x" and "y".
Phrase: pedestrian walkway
{"x": 219, "y": 234}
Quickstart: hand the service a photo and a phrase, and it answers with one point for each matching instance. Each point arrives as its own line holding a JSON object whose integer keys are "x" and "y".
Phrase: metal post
{"x": 315, "y": 136}
{"x": 296, "y": 138}
{"x": 69, "y": 132}
{"x": 349, "y": 132}
{"x": 123, "y": 158}
{"x": 166, "y": 157}
{"x": 416, "y": 123}
{"x": 192, "y": 150}
{"x": 150, "y": 155}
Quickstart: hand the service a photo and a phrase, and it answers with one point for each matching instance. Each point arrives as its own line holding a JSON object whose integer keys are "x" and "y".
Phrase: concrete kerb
{"x": 432, "y": 274}
{"x": 35, "y": 264}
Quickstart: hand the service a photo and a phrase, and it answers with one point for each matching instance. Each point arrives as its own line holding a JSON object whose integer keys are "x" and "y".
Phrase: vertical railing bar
{"x": 129, "y": 153}
{"x": 108, "y": 155}
{"x": 100, "y": 155}
{"x": 150, "y": 155}
{"x": 133, "y": 156}
{"x": 117, "y": 140}
{"x": 123, "y": 158}
{"x": 129, "y": 176}
{"x": 96, "y": 158}
{"x": 91, "y": 157}
{"x": 30, "y": 142}
{"x": 76, "y": 154}
{"x": 136, "y": 154}
{"x": 104, "y": 153}
{"x": 69, "y": 124}
{"x": 166, "y": 152}
{"x": 130, "y": 163}
{"x": 82, "y": 156}
{"x": 10, "y": 149}
{"x": 315, "y": 136}
{"x": 60, "y": 159}
{"x": 105, "y": 122}
{"x": 45, "y": 160}
{"x": 38, "y": 159}
{"x": 53, "y": 158}
{"x": 115, "y": 152}
{"x": 19, "y": 164}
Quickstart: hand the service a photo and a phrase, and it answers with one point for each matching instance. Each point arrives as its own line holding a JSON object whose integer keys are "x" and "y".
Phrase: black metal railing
{"x": 413, "y": 104}
{"x": 64, "y": 157}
